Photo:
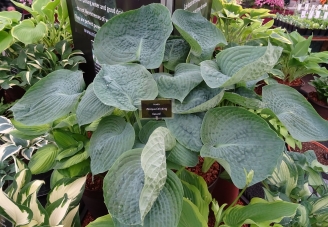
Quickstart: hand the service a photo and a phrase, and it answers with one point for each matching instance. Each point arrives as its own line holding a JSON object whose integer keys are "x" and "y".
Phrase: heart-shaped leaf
{"x": 153, "y": 163}
{"x": 90, "y": 108}
{"x": 211, "y": 73}
{"x": 6, "y": 40}
{"x": 113, "y": 137}
{"x": 201, "y": 34}
{"x": 148, "y": 128}
{"x": 50, "y": 98}
{"x": 27, "y": 32}
{"x": 186, "y": 77}
{"x": 4, "y": 22}
{"x": 295, "y": 112}
{"x": 124, "y": 86}
{"x": 244, "y": 97}
{"x": 186, "y": 129}
{"x": 248, "y": 64}
{"x": 14, "y": 16}
{"x": 126, "y": 173}
{"x": 237, "y": 139}
{"x": 200, "y": 99}
{"x": 136, "y": 36}
{"x": 176, "y": 52}
{"x": 182, "y": 156}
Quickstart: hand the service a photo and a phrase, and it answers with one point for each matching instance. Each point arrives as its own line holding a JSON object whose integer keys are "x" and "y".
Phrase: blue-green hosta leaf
{"x": 6, "y": 39}
{"x": 113, "y": 137}
{"x": 58, "y": 210}
{"x": 90, "y": 108}
{"x": 200, "y": 99}
{"x": 211, "y": 73}
{"x": 191, "y": 216}
{"x": 27, "y": 32}
{"x": 20, "y": 215}
{"x": 186, "y": 129}
{"x": 295, "y": 112}
{"x": 73, "y": 187}
{"x": 176, "y": 52}
{"x": 182, "y": 156}
{"x": 186, "y": 77}
{"x": 124, "y": 86}
{"x": 43, "y": 160}
{"x": 14, "y": 16}
{"x": 202, "y": 35}
{"x": 135, "y": 36}
{"x": 7, "y": 151}
{"x": 244, "y": 97}
{"x": 153, "y": 163}
{"x": 247, "y": 63}
{"x": 148, "y": 128}
{"x": 39, "y": 213}
{"x": 237, "y": 139}
{"x": 50, "y": 98}
{"x": 126, "y": 173}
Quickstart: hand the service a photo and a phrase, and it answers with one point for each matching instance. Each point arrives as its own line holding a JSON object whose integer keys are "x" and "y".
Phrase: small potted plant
{"x": 319, "y": 98}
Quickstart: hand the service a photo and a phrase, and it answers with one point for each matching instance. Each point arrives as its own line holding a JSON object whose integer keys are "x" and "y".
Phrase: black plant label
{"x": 4, "y": 222}
{"x": 156, "y": 109}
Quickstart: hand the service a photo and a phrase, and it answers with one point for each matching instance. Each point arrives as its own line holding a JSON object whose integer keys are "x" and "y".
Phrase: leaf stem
{"x": 138, "y": 119}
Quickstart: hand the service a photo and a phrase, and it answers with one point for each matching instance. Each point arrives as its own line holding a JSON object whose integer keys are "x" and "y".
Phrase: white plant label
{"x": 306, "y": 6}
{"x": 313, "y": 7}
{"x": 325, "y": 7}
{"x": 311, "y": 14}
{"x": 303, "y": 14}
{"x": 319, "y": 7}
{"x": 317, "y": 14}
{"x": 299, "y": 7}
{"x": 325, "y": 16}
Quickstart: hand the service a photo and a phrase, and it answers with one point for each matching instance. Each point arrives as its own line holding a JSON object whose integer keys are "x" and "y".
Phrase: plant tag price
{"x": 306, "y": 6}
{"x": 156, "y": 109}
{"x": 303, "y": 14}
{"x": 325, "y": 16}
{"x": 317, "y": 14}
{"x": 311, "y": 14}
{"x": 4, "y": 222}
{"x": 299, "y": 7}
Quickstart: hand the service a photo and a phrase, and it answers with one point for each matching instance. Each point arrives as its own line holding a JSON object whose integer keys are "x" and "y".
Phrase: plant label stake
{"x": 4, "y": 222}
{"x": 156, "y": 109}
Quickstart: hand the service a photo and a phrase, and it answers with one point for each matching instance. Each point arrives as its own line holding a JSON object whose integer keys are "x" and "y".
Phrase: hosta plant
{"x": 212, "y": 97}
{"x": 42, "y": 26}
{"x": 321, "y": 86}
{"x": 297, "y": 60}
{"x": 20, "y": 205}
{"x": 298, "y": 179}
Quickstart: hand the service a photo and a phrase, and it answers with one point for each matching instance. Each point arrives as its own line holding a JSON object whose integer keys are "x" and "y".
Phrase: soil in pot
{"x": 210, "y": 176}
{"x": 93, "y": 196}
{"x": 320, "y": 151}
{"x": 320, "y": 106}
{"x": 296, "y": 84}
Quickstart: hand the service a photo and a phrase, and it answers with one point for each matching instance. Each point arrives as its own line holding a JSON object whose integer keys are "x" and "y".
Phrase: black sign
{"x": 4, "y": 222}
{"x": 158, "y": 109}
{"x": 87, "y": 16}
